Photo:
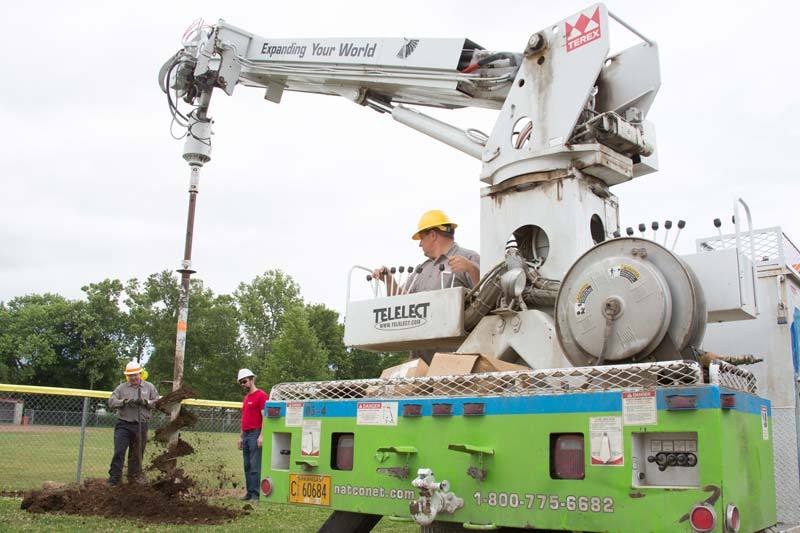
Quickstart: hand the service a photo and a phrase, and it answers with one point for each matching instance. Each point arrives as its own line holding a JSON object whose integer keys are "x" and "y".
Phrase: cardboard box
{"x": 455, "y": 364}
{"x": 410, "y": 369}
{"x": 452, "y": 367}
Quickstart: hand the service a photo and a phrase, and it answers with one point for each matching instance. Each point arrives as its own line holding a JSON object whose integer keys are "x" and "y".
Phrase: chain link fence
{"x": 67, "y": 435}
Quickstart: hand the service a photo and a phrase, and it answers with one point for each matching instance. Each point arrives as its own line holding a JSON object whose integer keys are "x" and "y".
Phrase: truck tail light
{"x": 567, "y": 458}
{"x": 732, "y": 520}
{"x": 343, "y": 444}
{"x": 703, "y": 518}
{"x": 266, "y": 486}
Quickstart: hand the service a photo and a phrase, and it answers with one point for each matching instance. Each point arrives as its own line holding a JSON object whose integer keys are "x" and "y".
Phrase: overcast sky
{"x": 93, "y": 186}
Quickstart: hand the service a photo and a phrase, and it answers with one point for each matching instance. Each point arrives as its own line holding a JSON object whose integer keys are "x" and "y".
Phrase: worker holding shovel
{"x": 134, "y": 400}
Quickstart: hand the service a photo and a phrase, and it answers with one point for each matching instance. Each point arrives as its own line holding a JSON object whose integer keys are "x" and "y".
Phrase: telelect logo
{"x": 583, "y": 31}
{"x": 401, "y": 316}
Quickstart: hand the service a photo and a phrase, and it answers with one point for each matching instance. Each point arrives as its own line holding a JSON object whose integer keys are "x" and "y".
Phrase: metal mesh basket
{"x": 731, "y": 376}
{"x": 526, "y": 383}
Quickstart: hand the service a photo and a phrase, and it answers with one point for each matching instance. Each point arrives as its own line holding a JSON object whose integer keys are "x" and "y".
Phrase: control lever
{"x": 392, "y": 271}
{"x": 667, "y": 227}
{"x": 414, "y": 280}
{"x": 373, "y": 284}
{"x": 681, "y": 225}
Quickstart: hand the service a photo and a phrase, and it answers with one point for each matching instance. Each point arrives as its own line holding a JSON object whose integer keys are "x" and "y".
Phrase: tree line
{"x": 264, "y": 325}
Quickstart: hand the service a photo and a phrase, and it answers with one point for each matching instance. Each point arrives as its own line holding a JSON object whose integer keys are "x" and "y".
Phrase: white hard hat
{"x": 245, "y": 373}
{"x": 133, "y": 368}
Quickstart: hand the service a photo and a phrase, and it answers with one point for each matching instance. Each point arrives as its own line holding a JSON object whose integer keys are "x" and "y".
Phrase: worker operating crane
{"x": 568, "y": 317}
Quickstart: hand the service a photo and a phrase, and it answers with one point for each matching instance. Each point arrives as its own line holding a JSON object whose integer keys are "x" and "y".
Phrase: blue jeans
{"x": 252, "y": 462}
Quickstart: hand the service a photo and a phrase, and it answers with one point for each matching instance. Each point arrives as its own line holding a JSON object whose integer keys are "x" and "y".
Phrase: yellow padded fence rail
{"x": 56, "y": 391}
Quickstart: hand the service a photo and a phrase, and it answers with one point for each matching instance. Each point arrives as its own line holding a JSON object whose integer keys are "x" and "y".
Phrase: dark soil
{"x": 164, "y": 404}
{"x": 185, "y": 419}
{"x": 145, "y": 502}
{"x": 167, "y": 500}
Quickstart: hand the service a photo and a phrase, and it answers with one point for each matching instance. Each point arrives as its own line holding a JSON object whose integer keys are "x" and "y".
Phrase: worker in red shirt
{"x": 250, "y": 440}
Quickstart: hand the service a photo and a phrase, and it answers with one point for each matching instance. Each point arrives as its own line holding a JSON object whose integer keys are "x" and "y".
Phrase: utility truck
{"x": 593, "y": 380}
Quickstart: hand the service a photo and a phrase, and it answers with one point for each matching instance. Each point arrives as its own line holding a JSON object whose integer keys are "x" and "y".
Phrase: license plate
{"x": 308, "y": 489}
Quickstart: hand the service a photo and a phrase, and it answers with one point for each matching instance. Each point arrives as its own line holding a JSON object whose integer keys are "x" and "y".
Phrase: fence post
{"x": 84, "y": 416}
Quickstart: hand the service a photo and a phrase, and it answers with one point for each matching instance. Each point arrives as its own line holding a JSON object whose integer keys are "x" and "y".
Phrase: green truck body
{"x": 501, "y": 459}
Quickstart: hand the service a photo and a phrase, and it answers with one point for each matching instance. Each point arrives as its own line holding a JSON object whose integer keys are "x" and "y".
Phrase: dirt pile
{"x": 156, "y": 502}
{"x": 168, "y": 499}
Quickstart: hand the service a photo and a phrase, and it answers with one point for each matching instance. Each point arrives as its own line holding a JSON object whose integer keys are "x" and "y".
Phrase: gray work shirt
{"x": 430, "y": 277}
{"x": 125, "y": 391}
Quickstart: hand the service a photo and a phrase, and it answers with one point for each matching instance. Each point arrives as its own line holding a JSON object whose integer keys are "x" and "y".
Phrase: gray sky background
{"x": 92, "y": 185}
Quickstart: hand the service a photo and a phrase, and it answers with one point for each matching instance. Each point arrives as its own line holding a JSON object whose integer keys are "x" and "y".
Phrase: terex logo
{"x": 401, "y": 316}
{"x": 583, "y": 31}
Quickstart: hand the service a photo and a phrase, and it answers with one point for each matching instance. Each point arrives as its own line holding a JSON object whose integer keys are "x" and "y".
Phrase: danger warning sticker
{"x": 583, "y": 31}
{"x": 639, "y": 408}
{"x": 294, "y": 414}
{"x": 376, "y": 414}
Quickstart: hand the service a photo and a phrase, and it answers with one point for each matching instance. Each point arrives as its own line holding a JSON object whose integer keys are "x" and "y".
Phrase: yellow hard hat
{"x": 434, "y": 218}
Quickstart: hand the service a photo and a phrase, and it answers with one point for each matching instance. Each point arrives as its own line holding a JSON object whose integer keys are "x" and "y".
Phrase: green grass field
{"x": 34, "y": 454}
{"x": 265, "y": 517}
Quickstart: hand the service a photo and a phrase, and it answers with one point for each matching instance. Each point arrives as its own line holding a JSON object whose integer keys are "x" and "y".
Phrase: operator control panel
{"x": 665, "y": 460}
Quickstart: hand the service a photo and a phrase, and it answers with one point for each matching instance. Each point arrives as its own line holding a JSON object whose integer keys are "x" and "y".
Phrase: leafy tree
{"x": 262, "y": 304}
{"x": 213, "y": 347}
{"x": 101, "y": 327}
{"x": 46, "y": 339}
{"x": 36, "y": 339}
{"x": 297, "y": 354}
{"x": 347, "y": 363}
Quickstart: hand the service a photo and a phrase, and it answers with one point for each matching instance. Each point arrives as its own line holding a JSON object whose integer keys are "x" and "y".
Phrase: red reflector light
{"x": 473, "y": 409}
{"x": 412, "y": 409}
{"x": 703, "y": 518}
{"x": 442, "y": 409}
{"x": 266, "y": 486}
{"x": 681, "y": 401}
{"x": 273, "y": 412}
{"x": 732, "y": 520}
{"x": 566, "y": 456}
{"x": 728, "y": 401}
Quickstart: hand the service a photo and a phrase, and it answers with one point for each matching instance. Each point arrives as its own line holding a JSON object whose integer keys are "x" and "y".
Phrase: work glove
{"x": 141, "y": 402}
{"x": 128, "y": 403}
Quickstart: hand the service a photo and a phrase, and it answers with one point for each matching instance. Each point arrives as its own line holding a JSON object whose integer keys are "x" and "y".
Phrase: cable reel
{"x": 628, "y": 300}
